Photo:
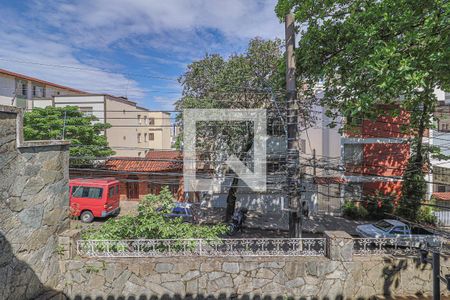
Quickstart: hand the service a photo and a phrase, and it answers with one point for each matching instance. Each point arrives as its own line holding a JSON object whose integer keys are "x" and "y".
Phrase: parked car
{"x": 405, "y": 235}
{"x": 91, "y": 198}
{"x": 181, "y": 210}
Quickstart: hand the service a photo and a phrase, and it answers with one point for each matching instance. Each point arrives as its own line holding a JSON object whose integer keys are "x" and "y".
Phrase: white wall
{"x": 97, "y": 102}
{"x": 7, "y": 89}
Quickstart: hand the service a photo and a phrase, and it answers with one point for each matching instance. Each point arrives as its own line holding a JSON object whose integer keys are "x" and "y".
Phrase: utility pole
{"x": 436, "y": 275}
{"x": 314, "y": 163}
{"x": 293, "y": 168}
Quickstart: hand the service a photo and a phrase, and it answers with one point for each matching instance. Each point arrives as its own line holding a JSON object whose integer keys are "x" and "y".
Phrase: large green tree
{"x": 69, "y": 123}
{"x": 372, "y": 53}
{"x": 249, "y": 80}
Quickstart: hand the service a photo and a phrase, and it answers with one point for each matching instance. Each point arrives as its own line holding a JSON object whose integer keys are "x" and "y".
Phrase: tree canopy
{"x": 243, "y": 81}
{"x": 71, "y": 124}
{"x": 372, "y": 53}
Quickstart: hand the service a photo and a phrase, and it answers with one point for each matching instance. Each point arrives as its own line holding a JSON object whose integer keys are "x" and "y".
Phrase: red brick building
{"x": 375, "y": 155}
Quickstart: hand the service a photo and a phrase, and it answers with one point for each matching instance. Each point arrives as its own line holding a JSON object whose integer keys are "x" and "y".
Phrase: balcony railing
{"x": 202, "y": 247}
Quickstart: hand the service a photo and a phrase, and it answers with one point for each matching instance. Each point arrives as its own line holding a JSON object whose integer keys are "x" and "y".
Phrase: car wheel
{"x": 86, "y": 217}
{"x": 116, "y": 213}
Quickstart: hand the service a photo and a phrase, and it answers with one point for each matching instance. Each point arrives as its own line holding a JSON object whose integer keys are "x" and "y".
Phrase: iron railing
{"x": 202, "y": 247}
{"x": 394, "y": 246}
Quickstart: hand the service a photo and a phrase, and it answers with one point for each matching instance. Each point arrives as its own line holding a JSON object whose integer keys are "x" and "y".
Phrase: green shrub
{"x": 352, "y": 211}
{"x": 425, "y": 215}
{"x": 379, "y": 205}
{"x": 151, "y": 224}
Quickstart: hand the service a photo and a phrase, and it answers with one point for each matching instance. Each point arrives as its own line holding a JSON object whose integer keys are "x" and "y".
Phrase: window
{"x": 353, "y": 154}
{"x": 303, "y": 145}
{"x": 145, "y": 120}
{"x": 145, "y": 137}
{"x": 87, "y": 192}
{"x": 139, "y": 119}
{"x": 43, "y": 92}
{"x": 124, "y": 137}
{"x": 151, "y": 136}
{"x": 151, "y": 121}
{"x": 139, "y": 154}
{"x": 441, "y": 188}
{"x": 22, "y": 88}
{"x": 398, "y": 230}
{"x": 87, "y": 110}
{"x": 38, "y": 91}
{"x": 139, "y": 137}
{"x": 117, "y": 189}
{"x": 111, "y": 191}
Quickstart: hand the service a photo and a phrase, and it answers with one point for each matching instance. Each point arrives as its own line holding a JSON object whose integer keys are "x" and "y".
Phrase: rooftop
{"x": 442, "y": 196}
{"x": 155, "y": 161}
{"x": 21, "y": 76}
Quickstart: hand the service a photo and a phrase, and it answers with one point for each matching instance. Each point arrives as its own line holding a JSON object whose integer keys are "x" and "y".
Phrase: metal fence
{"x": 394, "y": 246}
{"x": 202, "y": 247}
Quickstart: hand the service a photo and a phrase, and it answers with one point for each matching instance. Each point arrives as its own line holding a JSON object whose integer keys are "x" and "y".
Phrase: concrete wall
{"x": 309, "y": 277}
{"x": 33, "y": 209}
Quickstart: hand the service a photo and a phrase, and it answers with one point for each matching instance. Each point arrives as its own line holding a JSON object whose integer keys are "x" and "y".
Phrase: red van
{"x": 91, "y": 198}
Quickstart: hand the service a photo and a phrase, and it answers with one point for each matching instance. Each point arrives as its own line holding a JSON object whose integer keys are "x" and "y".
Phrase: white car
{"x": 394, "y": 229}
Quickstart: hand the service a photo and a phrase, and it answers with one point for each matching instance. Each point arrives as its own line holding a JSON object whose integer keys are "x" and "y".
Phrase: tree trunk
{"x": 231, "y": 197}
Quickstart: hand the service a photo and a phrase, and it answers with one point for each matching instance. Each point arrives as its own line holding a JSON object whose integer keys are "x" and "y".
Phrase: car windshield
{"x": 383, "y": 225}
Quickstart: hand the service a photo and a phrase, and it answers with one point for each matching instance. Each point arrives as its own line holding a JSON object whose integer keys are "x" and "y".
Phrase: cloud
{"x": 161, "y": 36}
{"x": 177, "y": 25}
{"x": 36, "y": 53}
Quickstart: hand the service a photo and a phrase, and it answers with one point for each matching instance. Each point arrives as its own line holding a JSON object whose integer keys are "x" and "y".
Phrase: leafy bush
{"x": 151, "y": 224}
{"x": 379, "y": 205}
{"x": 352, "y": 211}
{"x": 425, "y": 215}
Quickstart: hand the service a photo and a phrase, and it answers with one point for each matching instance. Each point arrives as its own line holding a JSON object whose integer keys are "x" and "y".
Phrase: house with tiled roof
{"x": 140, "y": 176}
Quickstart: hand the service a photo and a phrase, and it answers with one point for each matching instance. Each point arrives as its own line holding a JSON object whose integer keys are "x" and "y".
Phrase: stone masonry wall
{"x": 309, "y": 277}
{"x": 33, "y": 209}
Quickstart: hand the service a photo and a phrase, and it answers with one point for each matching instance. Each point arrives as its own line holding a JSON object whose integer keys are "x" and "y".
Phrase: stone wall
{"x": 33, "y": 209}
{"x": 216, "y": 277}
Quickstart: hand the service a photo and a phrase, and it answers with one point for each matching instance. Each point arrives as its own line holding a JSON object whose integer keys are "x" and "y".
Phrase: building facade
{"x": 353, "y": 162}
{"x": 134, "y": 130}
{"x": 29, "y": 92}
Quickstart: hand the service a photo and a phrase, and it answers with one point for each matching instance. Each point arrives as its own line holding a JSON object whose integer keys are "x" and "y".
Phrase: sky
{"x": 133, "y": 48}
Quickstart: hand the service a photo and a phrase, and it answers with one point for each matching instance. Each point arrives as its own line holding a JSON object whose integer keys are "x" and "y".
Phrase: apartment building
{"x": 367, "y": 158}
{"x": 29, "y": 92}
{"x": 439, "y": 179}
{"x": 134, "y": 130}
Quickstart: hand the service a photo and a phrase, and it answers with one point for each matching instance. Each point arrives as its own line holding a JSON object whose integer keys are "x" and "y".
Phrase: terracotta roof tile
{"x": 165, "y": 154}
{"x": 442, "y": 196}
{"x": 157, "y": 161}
